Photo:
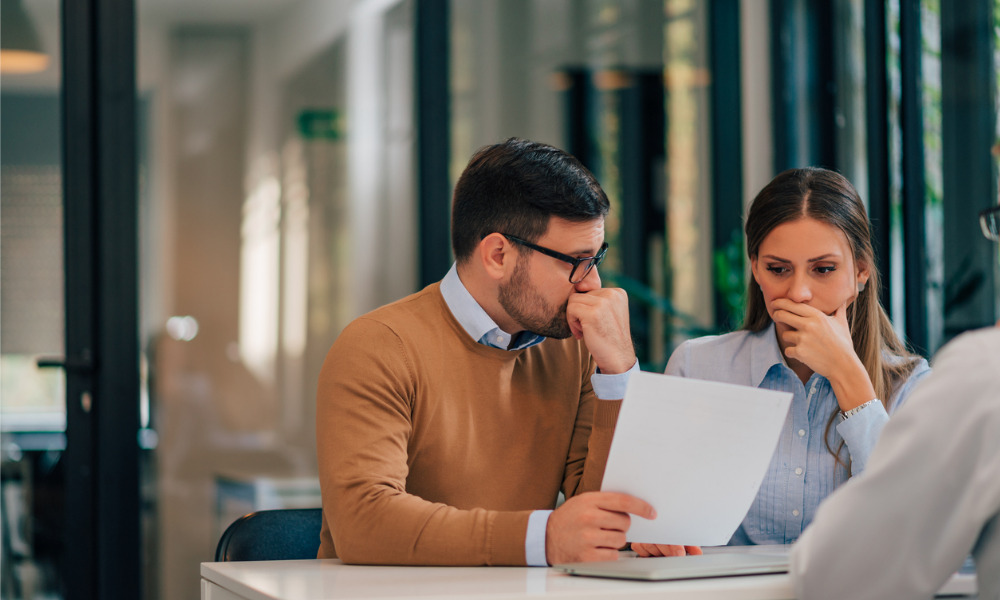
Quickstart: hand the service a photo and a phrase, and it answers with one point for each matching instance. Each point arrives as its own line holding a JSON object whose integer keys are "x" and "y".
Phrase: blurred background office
{"x": 197, "y": 196}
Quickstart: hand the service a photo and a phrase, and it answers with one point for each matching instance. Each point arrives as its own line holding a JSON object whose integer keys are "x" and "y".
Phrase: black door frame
{"x": 102, "y": 556}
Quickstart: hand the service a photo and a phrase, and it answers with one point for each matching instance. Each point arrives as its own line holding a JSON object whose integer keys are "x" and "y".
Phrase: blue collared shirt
{"x": 802, "y": 471}
{"x": 484, "y": 330}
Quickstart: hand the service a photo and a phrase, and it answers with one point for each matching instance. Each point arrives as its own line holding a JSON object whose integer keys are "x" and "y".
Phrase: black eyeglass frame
{"x": 595, "y": 261}
{"x": 989, "y": 220}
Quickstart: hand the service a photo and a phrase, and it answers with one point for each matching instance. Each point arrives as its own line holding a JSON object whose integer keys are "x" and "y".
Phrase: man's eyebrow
{"x": 589, "y": 251}
{"x": 593, "y": 251}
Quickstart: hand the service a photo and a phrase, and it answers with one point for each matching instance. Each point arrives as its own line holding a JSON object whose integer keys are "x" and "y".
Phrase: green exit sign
{"x": 320, "y": 124}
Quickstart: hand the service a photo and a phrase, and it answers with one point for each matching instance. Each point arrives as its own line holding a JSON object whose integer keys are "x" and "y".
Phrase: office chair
{"x": 283, "y": 534}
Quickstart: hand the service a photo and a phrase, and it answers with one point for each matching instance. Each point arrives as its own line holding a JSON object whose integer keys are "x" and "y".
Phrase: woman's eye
{"x": 777, "y": 269}
{"x": 825, "y": 270}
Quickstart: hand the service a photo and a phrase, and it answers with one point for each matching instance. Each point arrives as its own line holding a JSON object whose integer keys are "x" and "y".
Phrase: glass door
{"x": 32, "y": 398}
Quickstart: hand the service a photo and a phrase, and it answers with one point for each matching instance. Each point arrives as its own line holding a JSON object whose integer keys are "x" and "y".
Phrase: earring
{"x": 861, "y": 286}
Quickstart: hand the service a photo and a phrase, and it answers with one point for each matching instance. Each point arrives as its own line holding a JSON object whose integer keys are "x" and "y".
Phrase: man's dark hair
{"x": 514, "y": 187}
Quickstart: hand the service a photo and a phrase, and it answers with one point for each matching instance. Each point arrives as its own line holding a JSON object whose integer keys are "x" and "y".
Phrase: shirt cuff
{"x": 612, "y": 387}
{"x": 534, "y": 540}
{"x": 861, "y": 431}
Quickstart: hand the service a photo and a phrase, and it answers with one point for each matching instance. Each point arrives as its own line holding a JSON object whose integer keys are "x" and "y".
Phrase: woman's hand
{"x": 820, "y": 341}
{"x": 664, "y": 550}
{"x": 823, "y": 343}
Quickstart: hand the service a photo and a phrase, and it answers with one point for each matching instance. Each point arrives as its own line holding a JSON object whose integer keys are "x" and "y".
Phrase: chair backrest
{"x": 283, "y": 534}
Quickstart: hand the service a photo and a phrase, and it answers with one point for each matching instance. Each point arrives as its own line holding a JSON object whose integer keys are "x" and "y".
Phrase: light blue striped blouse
{"x": 802, "y": 470}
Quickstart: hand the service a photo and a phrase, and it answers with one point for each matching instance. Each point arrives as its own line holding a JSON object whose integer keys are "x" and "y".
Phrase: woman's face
{"x": 809, "y": 262}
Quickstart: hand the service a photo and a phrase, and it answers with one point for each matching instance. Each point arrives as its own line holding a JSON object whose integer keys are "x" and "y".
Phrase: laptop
{"x": 728, "y": 561}
{"x": 666, "y": 568}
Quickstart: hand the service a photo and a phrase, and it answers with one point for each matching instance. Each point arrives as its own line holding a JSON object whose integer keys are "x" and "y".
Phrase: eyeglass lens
{"x": 581, "y": 270}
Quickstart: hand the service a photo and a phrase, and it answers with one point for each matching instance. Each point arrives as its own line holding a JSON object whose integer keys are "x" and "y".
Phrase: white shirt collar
{"x": 471, "y": 316}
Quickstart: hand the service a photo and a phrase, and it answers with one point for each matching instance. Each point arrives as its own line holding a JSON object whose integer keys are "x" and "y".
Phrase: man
{"x": 930, "y": 494}
{"x": 449, "y": 421}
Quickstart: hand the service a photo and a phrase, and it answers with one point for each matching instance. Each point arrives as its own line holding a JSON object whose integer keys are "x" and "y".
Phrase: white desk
{"x": 332, "y": 580}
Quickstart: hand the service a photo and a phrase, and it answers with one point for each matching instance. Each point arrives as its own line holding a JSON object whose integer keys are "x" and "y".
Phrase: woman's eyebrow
{"x": 826, "y": 256}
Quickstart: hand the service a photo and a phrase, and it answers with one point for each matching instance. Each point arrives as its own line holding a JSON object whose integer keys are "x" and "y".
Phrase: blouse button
{"x": 798, "y": 470}
{"x": 795, "y": 512}
{"x": 802, "y": 432}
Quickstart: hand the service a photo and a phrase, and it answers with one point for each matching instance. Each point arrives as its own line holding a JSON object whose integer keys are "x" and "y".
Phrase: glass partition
{"x": 32, "y": 398}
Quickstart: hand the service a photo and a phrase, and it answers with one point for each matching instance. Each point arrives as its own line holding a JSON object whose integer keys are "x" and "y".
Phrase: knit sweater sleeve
{"x": 591, "y": 441}
{"x": 363, "y": 430}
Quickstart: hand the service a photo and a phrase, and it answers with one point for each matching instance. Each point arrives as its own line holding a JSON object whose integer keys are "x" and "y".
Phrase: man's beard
{"x": 518, "y": 298}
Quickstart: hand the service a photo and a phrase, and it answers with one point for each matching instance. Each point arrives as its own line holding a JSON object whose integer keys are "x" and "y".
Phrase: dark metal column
{"x": 727, "y": 141}
{"x": 877, "y": 108}
{"x": 576, "y": 107}
{"x": 433, "y": 117}
{"x": 643, "y": 213}
{"x": 914, "y": 200}
{"x": 802, "y": 84}
{"x": 968, "y": 81}
{"x": 102, "y": 547}
{"x": 79, "y": 561}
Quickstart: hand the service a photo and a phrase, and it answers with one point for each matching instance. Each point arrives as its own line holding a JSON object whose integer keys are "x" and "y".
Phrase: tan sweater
{"x": 434, "y": 449}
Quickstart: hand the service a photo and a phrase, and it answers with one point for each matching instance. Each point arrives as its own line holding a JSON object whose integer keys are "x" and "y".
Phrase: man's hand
{"x": 591, "y": 526}
{"x": 600, "y": 318}
{"x": 664, "y": 549}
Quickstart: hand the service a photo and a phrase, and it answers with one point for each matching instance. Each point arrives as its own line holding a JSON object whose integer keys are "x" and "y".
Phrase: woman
{"x": 814, "y": 327}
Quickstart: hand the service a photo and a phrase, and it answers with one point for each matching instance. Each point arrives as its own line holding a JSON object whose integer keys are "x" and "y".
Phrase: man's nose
{"x": 591, "y": 282}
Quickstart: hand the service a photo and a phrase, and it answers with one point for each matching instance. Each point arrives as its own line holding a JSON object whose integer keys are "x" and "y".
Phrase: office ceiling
{"x": 150, "y": 15}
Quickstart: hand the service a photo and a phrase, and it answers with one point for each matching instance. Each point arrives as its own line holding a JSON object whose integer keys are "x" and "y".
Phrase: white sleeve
{"x": 900, "y": 529}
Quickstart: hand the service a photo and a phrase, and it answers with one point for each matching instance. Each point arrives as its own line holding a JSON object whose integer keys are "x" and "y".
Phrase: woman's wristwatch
{"x": 856, "y": 409}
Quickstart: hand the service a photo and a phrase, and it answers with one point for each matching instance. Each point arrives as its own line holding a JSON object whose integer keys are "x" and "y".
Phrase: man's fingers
{"x": 608, "y": 539}
{"x": 600, "y": 296}
{"x": 608, "y": 520}
{"x": 625, "y": 503}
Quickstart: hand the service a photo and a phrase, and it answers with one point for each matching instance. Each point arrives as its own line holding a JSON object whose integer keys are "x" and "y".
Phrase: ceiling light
{"x": 20, "y": 50}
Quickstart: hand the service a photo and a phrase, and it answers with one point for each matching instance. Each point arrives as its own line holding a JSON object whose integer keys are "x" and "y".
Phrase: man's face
{"x": 537, "y": 292}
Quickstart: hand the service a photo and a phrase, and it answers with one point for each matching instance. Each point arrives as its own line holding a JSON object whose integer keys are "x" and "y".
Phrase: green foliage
{"x": 730, "y": 280}
{"x": 638, "y": 291}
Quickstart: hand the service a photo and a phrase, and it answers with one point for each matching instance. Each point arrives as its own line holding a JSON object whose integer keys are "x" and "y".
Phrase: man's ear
{"x": 497, "y": 255}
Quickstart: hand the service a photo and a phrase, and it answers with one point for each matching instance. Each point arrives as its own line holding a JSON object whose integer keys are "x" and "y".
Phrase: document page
{"x": 697, "y": 451}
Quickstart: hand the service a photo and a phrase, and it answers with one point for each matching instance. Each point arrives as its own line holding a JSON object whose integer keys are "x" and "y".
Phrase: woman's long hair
{"x": 829, "y": 197}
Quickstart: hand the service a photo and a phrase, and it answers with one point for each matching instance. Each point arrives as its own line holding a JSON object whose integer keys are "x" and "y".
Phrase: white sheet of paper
{"x": 697, "y": 451}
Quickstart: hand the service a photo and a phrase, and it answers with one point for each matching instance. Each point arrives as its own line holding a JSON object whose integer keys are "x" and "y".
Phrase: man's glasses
{"x": 989, "y": 220}
{"x": 581, "y": 266}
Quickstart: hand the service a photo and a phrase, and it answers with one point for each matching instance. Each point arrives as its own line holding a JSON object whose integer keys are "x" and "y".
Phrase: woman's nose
{"x": 798, "y": 290}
